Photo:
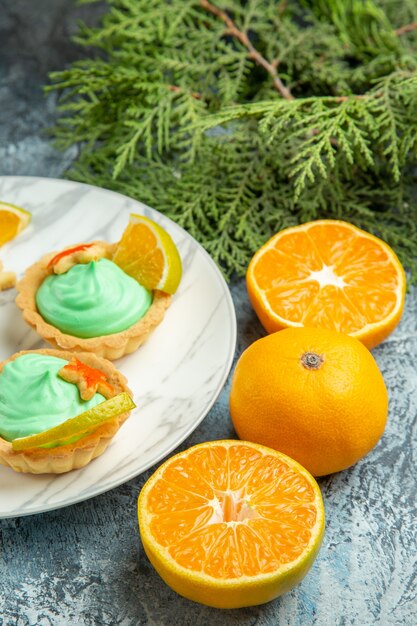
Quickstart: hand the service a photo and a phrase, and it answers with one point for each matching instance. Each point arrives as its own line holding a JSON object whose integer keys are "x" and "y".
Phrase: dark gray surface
{"x": 85, "y": 564}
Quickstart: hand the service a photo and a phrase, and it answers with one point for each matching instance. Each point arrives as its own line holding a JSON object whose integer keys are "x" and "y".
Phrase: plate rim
{"x": 82, "y": 497}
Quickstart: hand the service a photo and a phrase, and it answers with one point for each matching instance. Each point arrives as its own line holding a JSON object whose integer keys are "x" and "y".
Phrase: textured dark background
{"x": 35, "y": 38}
{"x": 84, "y": 564}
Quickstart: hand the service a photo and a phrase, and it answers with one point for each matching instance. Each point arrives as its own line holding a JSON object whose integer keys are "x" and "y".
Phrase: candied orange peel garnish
{"x": 84, "y": 253}
{"x": 88, "y": 380}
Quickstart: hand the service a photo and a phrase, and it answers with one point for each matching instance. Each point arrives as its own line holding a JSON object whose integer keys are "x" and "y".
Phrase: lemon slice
{"x": 78, "y": 425}
{"x": 13, "y": 220}
{"x": 147, "y": 253}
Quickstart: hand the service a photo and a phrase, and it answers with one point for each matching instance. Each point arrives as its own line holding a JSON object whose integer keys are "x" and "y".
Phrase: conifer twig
{"x": 282, "y": 7}
{"x": 254, "y": 54}
{"x": 407, "y": 28}
{"x": 176, "y": 89}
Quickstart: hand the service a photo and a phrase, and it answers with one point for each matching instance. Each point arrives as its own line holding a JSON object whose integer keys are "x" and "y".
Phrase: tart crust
{"x": 75, "y": 455}
{"x": 108, "y": 346}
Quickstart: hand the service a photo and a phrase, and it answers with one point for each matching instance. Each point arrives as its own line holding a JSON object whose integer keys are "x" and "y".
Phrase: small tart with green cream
{"x": 59, "y": 410}
{"x": 80, "y": 300}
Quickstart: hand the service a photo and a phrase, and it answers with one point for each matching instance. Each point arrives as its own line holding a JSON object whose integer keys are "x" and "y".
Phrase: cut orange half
{"x": 13, "y": 220}
{"x": 147, "y": 253}
{"x": 78, "y": 425}
{"x": 231, "y": 523}
{"x": 328, "y": 274}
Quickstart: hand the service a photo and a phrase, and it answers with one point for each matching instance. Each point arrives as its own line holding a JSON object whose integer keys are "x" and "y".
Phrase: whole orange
{"x": 317, "y": 395}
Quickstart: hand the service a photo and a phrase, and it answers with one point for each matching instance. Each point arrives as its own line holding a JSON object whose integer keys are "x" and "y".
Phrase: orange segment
{"x": 329, "y": 237}
{"x": 169, "y": 530}
{"x": 253, "y": 550}
{"x": 231, "y": 523}
{"x": 13, "y": 220}
{"x": 299, "y": 251}
{"x": 192, "y": 552}
{"x": 164, "y": 494}
{"x": 371, "y": 302}
{"x": 148, "y": 254}
{"x": 287, "y": 543}
{"x": 292, "y": 300}
{"x": 328, "y": 274}
{"x": 185, "y": 471}
{"x": 282, "y": 268}
{"x": 333, "y": 309}
{"x": 266, "y": 475}
{"x": 211, "y": 466}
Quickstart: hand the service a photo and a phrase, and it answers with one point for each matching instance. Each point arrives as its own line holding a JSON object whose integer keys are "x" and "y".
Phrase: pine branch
{"x": 180, "y": 109}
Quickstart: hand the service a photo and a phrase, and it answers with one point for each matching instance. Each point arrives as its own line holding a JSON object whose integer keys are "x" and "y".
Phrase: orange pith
{"x": 9, "y": 226}
{"x": 230, "y": 512}
{"x": 328, "y": 274}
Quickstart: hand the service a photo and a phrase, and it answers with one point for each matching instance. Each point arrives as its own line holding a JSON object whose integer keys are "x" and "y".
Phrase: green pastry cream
{"x": 93, "y": 299}
{"x": 33, "y": 398}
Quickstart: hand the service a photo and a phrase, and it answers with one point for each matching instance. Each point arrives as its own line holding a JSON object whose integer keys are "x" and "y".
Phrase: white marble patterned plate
{"x": 176, "y": 376}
